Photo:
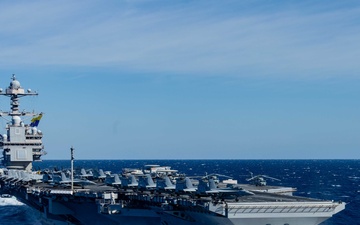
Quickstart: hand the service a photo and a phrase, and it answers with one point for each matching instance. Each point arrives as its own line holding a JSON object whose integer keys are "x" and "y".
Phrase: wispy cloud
{"x": 202, "y": 37}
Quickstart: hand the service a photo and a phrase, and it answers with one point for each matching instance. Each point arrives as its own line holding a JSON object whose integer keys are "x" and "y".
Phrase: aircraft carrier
{"x": 155, "y": 195}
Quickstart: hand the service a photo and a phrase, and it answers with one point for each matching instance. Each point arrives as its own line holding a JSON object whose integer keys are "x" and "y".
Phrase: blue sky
{"x": 188, "y": 79}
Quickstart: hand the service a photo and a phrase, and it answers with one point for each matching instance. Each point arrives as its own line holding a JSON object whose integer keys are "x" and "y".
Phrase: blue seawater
{"x": 337, "y": 180}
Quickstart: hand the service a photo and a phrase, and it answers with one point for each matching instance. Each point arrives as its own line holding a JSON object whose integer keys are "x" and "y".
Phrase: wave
{"x": 10, "y": 201}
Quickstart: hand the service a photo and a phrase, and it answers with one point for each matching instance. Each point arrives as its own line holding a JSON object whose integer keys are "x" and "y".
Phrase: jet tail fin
{"x": 133, "y": 180}
{"x": 168, "y": 182}
{"x": 63, "y": 177}
{"x": 203, "y": 186}
{"x": 101, "y": 172}
{"x": 212, "y": 184}
{"x": 149, "y": 180}
{"x": 117, "y": 179}
{"x": 188, "y": 183}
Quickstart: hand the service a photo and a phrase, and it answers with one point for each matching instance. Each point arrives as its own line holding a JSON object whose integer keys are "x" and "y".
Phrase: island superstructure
{"x": 22, "y": 143}
{"x": 153, "y": 196}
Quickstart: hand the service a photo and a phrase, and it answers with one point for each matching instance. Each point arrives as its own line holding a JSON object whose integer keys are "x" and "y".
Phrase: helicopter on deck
{"x": 260, "y": 180}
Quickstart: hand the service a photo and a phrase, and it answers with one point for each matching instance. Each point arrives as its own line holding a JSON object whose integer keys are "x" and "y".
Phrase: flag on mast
{"x": 35, "y": 121}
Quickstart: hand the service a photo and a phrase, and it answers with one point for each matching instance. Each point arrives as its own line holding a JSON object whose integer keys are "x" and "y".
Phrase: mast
{"x": 22, "y": 142}
{"x": 72, "y": 169}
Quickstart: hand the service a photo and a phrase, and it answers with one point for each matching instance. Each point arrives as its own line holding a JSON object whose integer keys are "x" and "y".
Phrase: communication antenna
{"x": 72, "y": 169}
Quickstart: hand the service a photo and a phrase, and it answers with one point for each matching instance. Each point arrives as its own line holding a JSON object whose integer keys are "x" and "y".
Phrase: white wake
{"x": 9, "y": 201}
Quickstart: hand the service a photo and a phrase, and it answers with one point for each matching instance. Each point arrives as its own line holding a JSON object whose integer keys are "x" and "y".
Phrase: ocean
{"x": 337, "y": 180}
